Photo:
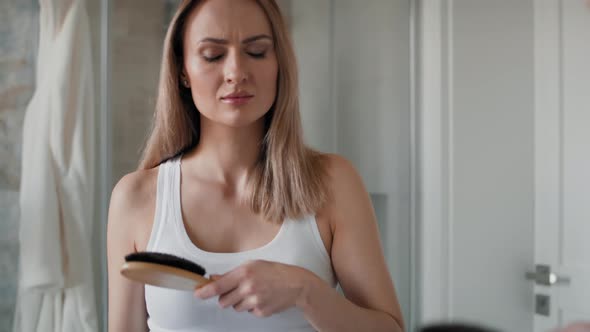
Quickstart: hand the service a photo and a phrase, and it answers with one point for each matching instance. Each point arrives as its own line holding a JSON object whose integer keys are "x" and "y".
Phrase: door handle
{"x": 544, "y": 276}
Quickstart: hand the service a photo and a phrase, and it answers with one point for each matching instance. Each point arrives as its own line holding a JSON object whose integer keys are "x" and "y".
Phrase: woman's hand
{"x": 260, "y": 287}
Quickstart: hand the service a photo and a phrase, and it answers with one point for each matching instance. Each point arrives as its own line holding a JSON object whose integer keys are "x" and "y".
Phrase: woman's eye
{"x": 212, "y": 58}
{"x": 257, "y": 55}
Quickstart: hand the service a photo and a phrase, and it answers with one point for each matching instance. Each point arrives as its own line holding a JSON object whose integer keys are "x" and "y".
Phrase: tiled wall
{"x": 8, "y": 256}
{"x": 139, "y": 28}
{"x": 18, "y": 34}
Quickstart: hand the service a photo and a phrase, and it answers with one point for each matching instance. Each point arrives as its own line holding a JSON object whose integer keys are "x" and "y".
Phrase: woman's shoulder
{"x": 132, "y": 205}
{"x": 339, "y": 170}
{"x": 345, "y": 191}
{"x": 135, "y": 188}
{"x": 344, "y": 182}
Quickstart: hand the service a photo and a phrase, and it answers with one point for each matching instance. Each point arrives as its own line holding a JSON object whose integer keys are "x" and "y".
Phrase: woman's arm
{"x": 126, "y": 303}
{"x": 357, "y": 257}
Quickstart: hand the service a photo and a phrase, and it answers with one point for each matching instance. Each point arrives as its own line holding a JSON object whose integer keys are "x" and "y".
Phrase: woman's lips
{"x": 236, "y": 100}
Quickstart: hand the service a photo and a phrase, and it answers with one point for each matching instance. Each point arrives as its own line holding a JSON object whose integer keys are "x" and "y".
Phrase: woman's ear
{"x": 184, "y": 79}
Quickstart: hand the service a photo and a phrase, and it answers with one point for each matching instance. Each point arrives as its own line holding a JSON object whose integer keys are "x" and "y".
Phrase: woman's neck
{"x": 225, "y": 154}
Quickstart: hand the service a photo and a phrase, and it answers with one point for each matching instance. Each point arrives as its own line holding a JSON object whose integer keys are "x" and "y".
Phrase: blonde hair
{"x": 289, "y": 180}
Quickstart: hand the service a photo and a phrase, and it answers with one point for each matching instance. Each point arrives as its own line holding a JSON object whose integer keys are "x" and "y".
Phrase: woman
{"x": 226, "y": 181}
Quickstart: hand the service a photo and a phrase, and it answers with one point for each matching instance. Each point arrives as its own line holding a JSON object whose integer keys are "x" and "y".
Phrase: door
{"x": 562, "y": 160}
{"x": 505, "y": 162}
{"x": 476, "y": 138}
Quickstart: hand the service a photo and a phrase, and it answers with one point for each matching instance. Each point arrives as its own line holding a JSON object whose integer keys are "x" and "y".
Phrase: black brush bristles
{"x": 165, "y": 259}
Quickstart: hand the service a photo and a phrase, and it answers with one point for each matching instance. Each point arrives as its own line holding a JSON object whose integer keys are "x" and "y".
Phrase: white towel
{"x": 56, "y": 286}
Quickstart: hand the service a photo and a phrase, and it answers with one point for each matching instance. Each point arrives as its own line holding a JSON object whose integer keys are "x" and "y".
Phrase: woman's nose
{"x": 235, "y": 70}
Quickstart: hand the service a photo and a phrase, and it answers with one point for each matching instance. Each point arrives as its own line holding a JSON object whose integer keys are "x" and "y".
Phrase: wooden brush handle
{"x": 163, "y": 276}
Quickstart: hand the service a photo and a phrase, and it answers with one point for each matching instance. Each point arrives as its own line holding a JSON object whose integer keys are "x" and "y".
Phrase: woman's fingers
{"x": 258, "y": 287}
{"x": 242, "y": 306}
{"x": 219, "y": 286}
{"x": 247, "y": 304}
{"x": 229, "y": 299}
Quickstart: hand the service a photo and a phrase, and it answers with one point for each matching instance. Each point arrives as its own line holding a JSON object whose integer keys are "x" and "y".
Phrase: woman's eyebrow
{"x": 225, "y": 42}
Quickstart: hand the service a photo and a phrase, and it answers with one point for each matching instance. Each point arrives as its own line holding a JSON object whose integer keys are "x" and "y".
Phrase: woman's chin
{"x": 240, "y": 119}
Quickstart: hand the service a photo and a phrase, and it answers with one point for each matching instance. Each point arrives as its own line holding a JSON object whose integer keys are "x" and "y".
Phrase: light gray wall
{"x": 311, "y": 27}
{"x": 354, "y": 65}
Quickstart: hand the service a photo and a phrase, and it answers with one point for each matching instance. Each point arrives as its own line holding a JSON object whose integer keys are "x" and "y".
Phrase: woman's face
{"x": 230, "y": 62}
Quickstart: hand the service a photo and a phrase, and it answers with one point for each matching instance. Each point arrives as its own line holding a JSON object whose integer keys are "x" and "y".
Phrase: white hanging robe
{"x": 56, "y": 284}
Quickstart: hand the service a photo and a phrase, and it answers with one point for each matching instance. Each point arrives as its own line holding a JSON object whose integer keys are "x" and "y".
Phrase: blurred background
{"x": 467, "y": 120}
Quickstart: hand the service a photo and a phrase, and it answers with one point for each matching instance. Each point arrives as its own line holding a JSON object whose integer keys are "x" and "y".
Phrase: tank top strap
{"x": 306, "y": 231}
{"x": 165, "y": 191}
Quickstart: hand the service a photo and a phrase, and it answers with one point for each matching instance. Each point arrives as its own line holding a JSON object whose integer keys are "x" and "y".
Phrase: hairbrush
{"x": 164, "y": 270}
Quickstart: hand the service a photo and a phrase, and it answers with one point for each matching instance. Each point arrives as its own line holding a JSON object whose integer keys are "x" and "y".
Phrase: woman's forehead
{"x": 232, "y": 20}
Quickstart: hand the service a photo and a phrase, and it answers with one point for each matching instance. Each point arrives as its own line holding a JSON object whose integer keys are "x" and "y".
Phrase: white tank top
{"x": 298, "y": 242}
